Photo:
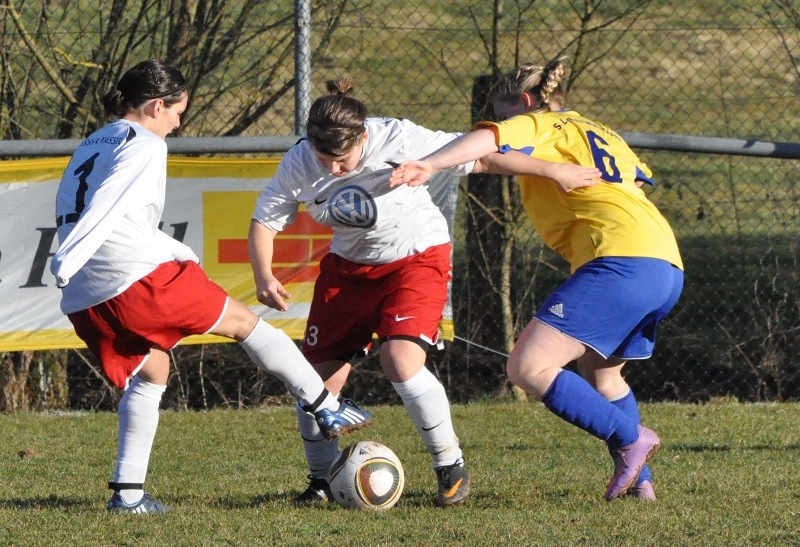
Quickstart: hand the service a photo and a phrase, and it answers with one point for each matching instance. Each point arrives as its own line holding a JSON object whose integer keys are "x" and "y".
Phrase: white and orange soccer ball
{"x": 367, "y": 475}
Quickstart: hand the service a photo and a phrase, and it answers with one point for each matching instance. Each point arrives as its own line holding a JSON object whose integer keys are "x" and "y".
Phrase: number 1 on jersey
{"x": 82, "y": 172}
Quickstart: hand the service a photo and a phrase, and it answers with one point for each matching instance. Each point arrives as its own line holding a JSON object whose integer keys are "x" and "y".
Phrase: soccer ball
{"x": 367, "y": 475}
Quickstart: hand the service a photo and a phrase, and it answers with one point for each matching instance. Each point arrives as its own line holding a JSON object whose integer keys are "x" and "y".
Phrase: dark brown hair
{"x": 336, "y": 121}
{"x": 151, "y": 79}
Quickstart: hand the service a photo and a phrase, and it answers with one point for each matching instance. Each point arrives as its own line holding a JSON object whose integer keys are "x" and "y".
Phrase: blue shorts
{"x": 614, "y": 304}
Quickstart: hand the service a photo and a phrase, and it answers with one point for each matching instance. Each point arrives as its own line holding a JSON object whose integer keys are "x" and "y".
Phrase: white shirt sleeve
{"x": 277, "y": 205}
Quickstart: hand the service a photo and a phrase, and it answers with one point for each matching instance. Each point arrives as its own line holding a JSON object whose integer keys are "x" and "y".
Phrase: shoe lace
{"x": 445, "y": 472}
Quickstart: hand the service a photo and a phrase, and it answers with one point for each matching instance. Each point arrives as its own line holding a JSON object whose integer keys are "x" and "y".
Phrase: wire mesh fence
{"x": 699, "y": 68}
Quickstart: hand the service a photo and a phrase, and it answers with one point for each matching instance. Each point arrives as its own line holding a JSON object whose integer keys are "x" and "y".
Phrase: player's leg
{"x": 605, "y": 375}
{"x": 424, "y": 397}
{"x": 602, "y": 306}
{"x": 138, "y": 421}
{"x": 320, "y": 452}
{"x": 425, "y": 400}
{"x": 413, "y": 293}
{"x": 123, "y": 354}
{"x": 337, "y": 332}
{"x": 276, "y": 353}
{"x": 645, "y": 290}
{"x": 536, "y": 365}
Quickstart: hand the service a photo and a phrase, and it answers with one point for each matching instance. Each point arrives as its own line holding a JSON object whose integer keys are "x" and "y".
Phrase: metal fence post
{"x": 302, "y": 64}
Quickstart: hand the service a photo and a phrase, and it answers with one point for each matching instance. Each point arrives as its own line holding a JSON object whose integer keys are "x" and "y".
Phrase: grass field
{"x": 726, "y": 475}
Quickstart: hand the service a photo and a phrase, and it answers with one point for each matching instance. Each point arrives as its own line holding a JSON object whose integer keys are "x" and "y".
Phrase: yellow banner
{"x": 208, "y": 206}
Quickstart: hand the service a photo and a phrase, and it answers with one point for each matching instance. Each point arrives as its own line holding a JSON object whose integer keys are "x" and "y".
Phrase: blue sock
{"x": 627, "y": 404}
{"x": 571, "y": 398}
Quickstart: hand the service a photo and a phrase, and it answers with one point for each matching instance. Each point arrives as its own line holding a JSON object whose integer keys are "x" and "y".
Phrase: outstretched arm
{"x": 569, "y": 176}
{"x": 480, "y": 146}
{"x": 467, "y": 148}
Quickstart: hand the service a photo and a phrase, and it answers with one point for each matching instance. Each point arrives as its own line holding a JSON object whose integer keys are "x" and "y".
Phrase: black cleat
{"x": 453, "y": 484}
{"x": 318, "y": 491}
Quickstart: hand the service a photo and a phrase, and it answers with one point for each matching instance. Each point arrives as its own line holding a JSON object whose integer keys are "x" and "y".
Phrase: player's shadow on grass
{"x": 261, "y": 500}
{"x": 727, "y": 448}
{"x": 50, "y": 502}
{"x": 410, "y": 498}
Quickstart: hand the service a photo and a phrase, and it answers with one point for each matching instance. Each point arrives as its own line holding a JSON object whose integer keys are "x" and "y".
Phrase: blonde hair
{"x": 542, "y": 82}
{"x": 336, "y": 121}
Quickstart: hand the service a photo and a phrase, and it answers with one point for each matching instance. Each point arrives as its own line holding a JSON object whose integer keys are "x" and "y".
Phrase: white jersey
{"x": 372, "y": 223}
{"x": 108, "y": 208}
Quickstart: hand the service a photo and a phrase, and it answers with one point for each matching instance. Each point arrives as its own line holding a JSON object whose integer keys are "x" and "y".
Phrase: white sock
{"x": 138, "y": 421}
{"x": 427, "y": 405}
{"x": 275, "y": 352}
{"x": 320, "y": 452}
{"x": 620, "y": 395}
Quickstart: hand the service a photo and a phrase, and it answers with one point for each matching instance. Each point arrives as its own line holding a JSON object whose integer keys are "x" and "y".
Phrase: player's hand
{"x": 413, "y": 173}
{"x": 571, "y": 176}
{"x": 271, "y": 293}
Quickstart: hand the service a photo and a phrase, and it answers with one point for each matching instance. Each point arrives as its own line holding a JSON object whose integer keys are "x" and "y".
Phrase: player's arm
{"x": 470, "y": 147}
{"x": 481, "y": 146}
{"x": 420, "y": 142}
{"x": 260, "y": 245}
{"x": 568, "y": 175}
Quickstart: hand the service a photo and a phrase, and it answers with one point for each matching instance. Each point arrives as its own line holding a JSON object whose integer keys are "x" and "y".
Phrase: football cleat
{"x": 629, "y": 460}
{"x": 453, "y": 484}
{"x": 349, "y": 417}
{"x": 642, "y": 491}
{"x": 318, "y": 491}
{"x": 143, "y": 506}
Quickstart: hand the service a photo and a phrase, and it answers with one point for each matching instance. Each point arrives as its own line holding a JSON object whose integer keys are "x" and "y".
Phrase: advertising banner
{"x": 208, "y": 207}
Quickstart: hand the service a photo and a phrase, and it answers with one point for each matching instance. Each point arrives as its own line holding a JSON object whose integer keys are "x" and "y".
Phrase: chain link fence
{"x": 701, "y": 68}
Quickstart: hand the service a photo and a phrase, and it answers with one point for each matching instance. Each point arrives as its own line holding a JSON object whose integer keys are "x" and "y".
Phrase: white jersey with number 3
{"x": 372, "y": 223}
{"x": 108, "y": 208}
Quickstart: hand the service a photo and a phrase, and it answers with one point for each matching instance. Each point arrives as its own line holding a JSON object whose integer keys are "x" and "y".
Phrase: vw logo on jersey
{"x": 353, "y": 206}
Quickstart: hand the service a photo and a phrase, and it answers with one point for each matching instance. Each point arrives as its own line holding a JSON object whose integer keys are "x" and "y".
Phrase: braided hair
{"x": 543, "y": 83}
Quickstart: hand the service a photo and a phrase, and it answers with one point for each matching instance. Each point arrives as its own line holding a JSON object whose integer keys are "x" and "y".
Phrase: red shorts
{"x": 352, "y": 301}
{"x": 171, "y": 303}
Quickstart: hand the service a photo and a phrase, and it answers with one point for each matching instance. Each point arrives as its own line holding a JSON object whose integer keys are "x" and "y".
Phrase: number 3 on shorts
{"x": 311, "y": 335}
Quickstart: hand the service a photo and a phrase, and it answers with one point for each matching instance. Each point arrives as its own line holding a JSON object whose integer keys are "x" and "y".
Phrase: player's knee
{"x": 514, "y": 372}
{"x": 237, "y": 322}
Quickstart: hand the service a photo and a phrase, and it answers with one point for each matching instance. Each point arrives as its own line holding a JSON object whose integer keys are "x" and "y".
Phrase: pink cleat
{"x": 629, "y": 460}
{"x": 642, "y": 491}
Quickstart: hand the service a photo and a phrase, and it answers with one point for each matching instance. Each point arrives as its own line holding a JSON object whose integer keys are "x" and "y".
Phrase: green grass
{"x": 726, "y": 475}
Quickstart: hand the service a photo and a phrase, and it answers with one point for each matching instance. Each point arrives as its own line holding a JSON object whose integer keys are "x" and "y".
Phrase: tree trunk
{"x": 488, "y": 248}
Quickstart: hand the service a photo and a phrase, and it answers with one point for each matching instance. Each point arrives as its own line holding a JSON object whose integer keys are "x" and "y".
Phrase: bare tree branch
{"x": 51, "y": 73}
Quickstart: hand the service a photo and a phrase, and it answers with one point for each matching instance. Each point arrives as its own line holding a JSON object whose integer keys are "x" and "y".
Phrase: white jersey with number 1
{"x": 108, "y": 208}
{"x": 372, "y": 223}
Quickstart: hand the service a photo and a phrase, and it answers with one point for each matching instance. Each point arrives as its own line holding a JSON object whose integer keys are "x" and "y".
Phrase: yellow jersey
{"x": 614, "y": 218}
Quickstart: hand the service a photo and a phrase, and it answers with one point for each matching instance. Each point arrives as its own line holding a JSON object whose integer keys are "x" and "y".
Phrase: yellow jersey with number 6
{"x": 610, "y": 219}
